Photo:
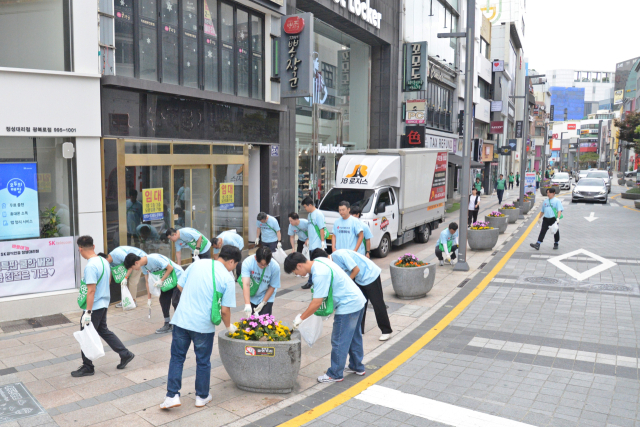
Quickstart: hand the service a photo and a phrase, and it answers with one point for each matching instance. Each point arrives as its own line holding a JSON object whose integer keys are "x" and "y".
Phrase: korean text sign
{"x": 296, "y": 62}
{"x": 226, "y": 195}
{"x": 19, "y": 201}
{"x": 152, "y": 207}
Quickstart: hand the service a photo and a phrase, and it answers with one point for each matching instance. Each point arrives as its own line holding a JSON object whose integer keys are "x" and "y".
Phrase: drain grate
{"x": 464, "y": 282}
{"x": 616, "y": 288}
{"x": 482, "y": 266}
{"x": 36, "y": 322}
{"x": 542, "y": 280}
{"x": 494, "y": 253}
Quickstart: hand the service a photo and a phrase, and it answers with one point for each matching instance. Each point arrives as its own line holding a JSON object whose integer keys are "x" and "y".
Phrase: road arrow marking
{"x": 590, "y": 218}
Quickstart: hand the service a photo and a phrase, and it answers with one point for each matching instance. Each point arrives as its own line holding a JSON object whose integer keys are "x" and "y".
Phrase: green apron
{"x": 254, "y": 285}
{"x": 326, "y": 308}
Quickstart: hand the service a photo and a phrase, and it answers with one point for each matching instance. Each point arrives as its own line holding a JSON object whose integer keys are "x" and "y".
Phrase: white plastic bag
{"x": 554, "y": 228}
{"x": 90, "y": 342}
{"x": 152, "y": 285}
{"x": 280, "y": 255}
{"x": 128, "y": 303}
{"x": 305, "y": 252}
{"x": 506, "y": 195}
{"x": 311, "y": 329}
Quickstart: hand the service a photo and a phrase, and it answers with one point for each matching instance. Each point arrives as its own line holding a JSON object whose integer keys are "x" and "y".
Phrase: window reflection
{"x": 190, "y": 47}
{"x": 170, "y": 53}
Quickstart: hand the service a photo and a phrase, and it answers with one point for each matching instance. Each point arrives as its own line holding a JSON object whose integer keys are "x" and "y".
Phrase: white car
{"x": 590, "y": 189}
{"x": 562, "y": 180}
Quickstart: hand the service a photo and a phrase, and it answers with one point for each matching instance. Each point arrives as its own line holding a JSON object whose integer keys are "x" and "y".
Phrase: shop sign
{"x": 19, "y": 201}
{"x": 363, "y": 10}
{"x": 39, "y": 129}
{"x": 518, "y": 128}
{"x": 497, "y": 127}
{"x": 37, "y": 265}
{"x": 487, "y": 152}
{"x": 513, "y": 144}
{"x": 226, "y": 195}
{"x": 505, "y": 150}
{"x": 358, "y": 176}
{"x": 152, "y": 207}
{"x": 498, "y": 66}
{"x": 330, "y": 149}
{"x": 618, "y": 97}
{"x": 295, "y": 59}
{"x": 439, "y": 185}
{"x": 434, "y": 141}
{"x": 496, "y": 106}
{"x": 571, "y": 126}
{"x": 414, "y": 137}
{"x": 259, "y": 351}
{"x": 551, "y": 113}
{"x": 275, "y": 150}
{"x": 344, "y": 59}
{"x": 416, "y": 111}
{"x": 415, "y": 59}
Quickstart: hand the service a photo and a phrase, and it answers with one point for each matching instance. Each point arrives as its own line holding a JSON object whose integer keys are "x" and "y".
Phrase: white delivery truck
{"x": 401, "y": 193}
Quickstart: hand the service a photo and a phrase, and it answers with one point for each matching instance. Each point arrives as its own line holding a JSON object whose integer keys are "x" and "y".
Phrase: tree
{"x": 629, "y": 130}
{"x": 588, "y": 160}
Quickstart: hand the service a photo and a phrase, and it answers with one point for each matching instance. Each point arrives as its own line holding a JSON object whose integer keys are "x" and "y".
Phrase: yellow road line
{"x": 613, "y": 197}
{"x": 378, "y": 375}
{"x": 631, "y": 209}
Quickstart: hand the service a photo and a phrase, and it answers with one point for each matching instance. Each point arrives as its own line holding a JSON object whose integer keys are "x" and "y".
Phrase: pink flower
{"x": 253, "y": 324}
{"x": 247, "y": 330}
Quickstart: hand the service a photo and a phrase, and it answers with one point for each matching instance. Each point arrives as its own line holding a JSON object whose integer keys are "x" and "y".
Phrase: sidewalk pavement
{"x": 43, "y": 358}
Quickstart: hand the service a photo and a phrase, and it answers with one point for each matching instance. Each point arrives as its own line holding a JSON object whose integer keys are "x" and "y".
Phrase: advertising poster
{"x": 415, "y": 111}
{"x": 39, "y": 265}
{"x": 152, "y": 204}
{"x": 226, "y": 195}
{"x": 529, "y": 182}
{"x": 439, "y": 186}
{"x": 19, "y": 201}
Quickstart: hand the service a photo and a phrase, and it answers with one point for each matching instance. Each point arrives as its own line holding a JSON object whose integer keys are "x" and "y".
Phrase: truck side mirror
{"x": 380, "y": 207}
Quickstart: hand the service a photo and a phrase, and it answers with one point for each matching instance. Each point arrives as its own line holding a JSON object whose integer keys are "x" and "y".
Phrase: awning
{"x": 457, "y": 160}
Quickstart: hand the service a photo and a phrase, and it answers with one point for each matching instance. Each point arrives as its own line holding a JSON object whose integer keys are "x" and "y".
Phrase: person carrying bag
{"x": 474, "y": 207}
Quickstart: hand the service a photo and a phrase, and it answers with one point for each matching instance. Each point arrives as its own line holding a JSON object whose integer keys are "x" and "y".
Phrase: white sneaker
{"x": 441, "y": 263}
{"x": 384, "y": 337}
{"x": 351, "y": 371}
{"x": 119, "y": 305}
{"x": 201, "y": 402}
{"x": 171, "y": 402}
{"x": 327, "y": 379}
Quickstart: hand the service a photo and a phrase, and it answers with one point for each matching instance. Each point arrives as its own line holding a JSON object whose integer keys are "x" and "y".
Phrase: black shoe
{"x": 124, "y": 361}
{"x": 83, "y": 371}
{"x": 535, "y": 246}
{"x": 165, "y": 329}
{"x": 307, "y": 286}
{"x": 555, "y": 246}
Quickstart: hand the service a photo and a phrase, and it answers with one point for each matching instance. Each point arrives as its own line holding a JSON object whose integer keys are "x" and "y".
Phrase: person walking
{"x": 500, "y": 184}
{"x": 538, "y": 178}
{"x": 551, "y": 214}
{"x": 96, "y": 277}
{"x": 260, "y": 282}
{"x": 447, "y": 244}
{"x": 299, "y": 227}
{"x": 478, "y": 185}
{"x": 169, "y": 274}
{"x": 365, "y": 247}
{"x": 517, "y": 179}
{"x": 347, "y": 230}
{"x": 348, "y": 303}
{"x": 366, "y": 276}
{"x": 474, "y": 206}
{"x": 317, "y": 236}
{"x": 189, "y": 238}
{"x": 510, "y": 180}
{"x": 229, "y": 237}
{"x": 116, "y": 261}
{"x": 192, "y": 321}
{"x": 268, "y": 232}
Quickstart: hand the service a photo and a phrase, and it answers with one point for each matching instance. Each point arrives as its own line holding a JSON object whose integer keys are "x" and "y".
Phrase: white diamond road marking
{"x": 432, "y": 409}
{"x": 605, "y": 264}
{"x": 586, "y": 356}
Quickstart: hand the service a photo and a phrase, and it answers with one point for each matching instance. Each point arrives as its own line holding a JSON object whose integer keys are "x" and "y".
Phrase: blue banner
{"x": 20, "y": 216}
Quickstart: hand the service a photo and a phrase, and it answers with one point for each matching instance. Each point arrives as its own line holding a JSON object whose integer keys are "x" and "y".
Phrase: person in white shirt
{"x": 474, "y": 207}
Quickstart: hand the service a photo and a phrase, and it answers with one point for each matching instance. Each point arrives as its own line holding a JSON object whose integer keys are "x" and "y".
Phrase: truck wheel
{"x": 424, "y": 236}
{"x": 385, "y": 246}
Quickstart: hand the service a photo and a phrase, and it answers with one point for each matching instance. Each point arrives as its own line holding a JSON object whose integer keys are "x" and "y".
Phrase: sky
{"x": 581, "y": 35}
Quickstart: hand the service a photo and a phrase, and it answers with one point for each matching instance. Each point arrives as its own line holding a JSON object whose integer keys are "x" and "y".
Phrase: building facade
{"x": 597, "y": 85}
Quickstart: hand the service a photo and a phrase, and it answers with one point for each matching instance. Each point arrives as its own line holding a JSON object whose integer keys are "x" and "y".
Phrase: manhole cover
{"x": 616, "y": 288}
{"x": 542, "y": 280}
{"x": 17, "y": 403}
{"x": 372, "y": 367}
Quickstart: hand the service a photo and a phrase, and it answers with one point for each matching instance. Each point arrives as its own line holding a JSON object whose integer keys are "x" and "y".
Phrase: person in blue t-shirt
{"x": 192, "y": 239}
{"x": 262, "y": 271}
{"x": 96, "y": 277}
{"x": 134, "y": 214}
{"x": 348, "y": 301}
{"x": 268, "y": 232}
{"x": 366, "y": 275}
{"x": 551, "y": 213}
{"x": 317, "y": 236}
{"x": 156, "y": 263}
{"x": 347, "y": 230}
{"x": 447, "y": 244}
{"x": 229, "y": 237}
{"x": 192, "y": 321}
{"x": 365, "y": 247}
{"x": 147, "y": 233}
{"x": 301, "y": 228}
{"x": 116, "y": 258}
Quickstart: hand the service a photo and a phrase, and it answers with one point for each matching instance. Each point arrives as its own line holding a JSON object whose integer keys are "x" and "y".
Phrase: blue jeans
{"x": 346, "y": 338}
{"x": 202, "y": 346}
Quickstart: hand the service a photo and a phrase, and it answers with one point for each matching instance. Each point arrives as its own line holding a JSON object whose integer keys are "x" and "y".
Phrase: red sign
{"x": 497, "y": 127}
{"x": 571, "y": 126}
{"x": 439, "y": 186}
{"x": 294, "y": 25}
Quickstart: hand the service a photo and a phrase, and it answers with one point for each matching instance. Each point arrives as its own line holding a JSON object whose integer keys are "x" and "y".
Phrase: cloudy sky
{"x": 581, "y": 35}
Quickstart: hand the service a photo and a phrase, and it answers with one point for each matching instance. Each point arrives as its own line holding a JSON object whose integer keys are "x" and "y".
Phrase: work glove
{"x": 259, "y": 307}
{"x": 196, "y": 252}
{"x": 159, "y": 284}
{"x": 297, "y": 321}
{"x": 447, "y": 256}
{"x": 247, "y": 310}
{"x": 324, "y": 245}
{"x": 124, "y": 282}
{"x": 232, "y": 329}
{"x": 86, "y": 318}
{"x": 149, "y": 302}
{"x": 279, "y": 245}
{"x": 257, "y": 242}
{"x": 306, "y": 243}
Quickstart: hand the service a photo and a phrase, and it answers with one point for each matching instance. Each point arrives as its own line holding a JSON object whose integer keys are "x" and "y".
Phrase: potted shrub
{"x": 511, "y": 212}
{"x": 636, "y": 203}
{"x": 497, "y": 220}
{"x": 524, "y": 206}
{"x": 482, "y": 237}
{"x": 262, "y": 355}
{"x": 633, "y": 194}
{"x": 412, "y": 278}
{"x": 531, "y": 195}
{"x": 620, "y": 181}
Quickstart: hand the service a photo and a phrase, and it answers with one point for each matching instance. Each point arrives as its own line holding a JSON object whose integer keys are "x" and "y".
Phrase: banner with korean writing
{"x": 530, "y": 182}
{"x": 226, "y": 195}
{"x": 152, "y": 204}
{"x": 439, "y": 184}
{"x": 38, "y": 265}
{"x": 19, "y": 201}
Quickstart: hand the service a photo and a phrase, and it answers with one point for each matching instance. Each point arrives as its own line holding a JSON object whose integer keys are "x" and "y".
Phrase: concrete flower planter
{"x": 620, "y": 175}
{"x": 263, "y": 367}
{"x": 412, "y": 282}
{"x": 511, "y": 214}
{"x": 543, "y": 191}
{"x": 526, "y": 207}
{"x": 631, "y": 184}
{"x": 499, "y": 222}
{"x": 630, "y": 196}
{"x": 482, "y": 240}
{"x": 621, "y": 181}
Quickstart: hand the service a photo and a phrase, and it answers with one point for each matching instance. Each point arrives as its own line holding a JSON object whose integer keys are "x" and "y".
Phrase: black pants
{"x": 454, "y": 248}
{"x": 271, "y": 245}
{"x": 267, "y": 309}
{"x": 500, "y": 194}
{"x": 206, "y": 255}
{"x": 99, "y": 320}
{"x": 300, "y": 246}
{"x": 473, "y": 216}
{"x": 373, "y": 292}
{"x": 546, "y": 223}
{"x": 167, "y": 299}
{"x": 517, "y": 183}
{"x": 510, "y": 184}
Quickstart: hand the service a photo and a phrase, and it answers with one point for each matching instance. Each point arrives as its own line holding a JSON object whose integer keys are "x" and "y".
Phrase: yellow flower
{"x": 244, "y": 322}
{"x": 270, "y": 327}
{"x": 246, "y": 338}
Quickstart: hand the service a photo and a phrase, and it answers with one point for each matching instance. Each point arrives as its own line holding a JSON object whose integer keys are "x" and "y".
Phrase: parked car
{"x": 601, "y": 174}
{"x": 562, "y": 180}
{"x": 630, "y": 174}
{"x": 590, "y": 189}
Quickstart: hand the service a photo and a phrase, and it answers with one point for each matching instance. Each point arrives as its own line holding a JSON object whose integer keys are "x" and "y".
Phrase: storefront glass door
{"x": 327, "y": 138}
{"x": 192, "y": 201}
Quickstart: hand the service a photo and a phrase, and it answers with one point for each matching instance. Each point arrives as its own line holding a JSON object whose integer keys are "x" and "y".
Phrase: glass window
{"x": 170, "y": 54}
{"x": 148, "y": 45}
{"x": 226, "y": 35}
{"x": 242, "y": 43}
{"x": 513, "y": 60}
{"x": 190, "y": 43}
{"x": 228, "y": 217}
{"x": 210, "y": 51}
{"x": 38, "y": 33}
{"x": 384, "y": 197}
{"x": 257, "y": 62}
{"x": 124, "y": 38}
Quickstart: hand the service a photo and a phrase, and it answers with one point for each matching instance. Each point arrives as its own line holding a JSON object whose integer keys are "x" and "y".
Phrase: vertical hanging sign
{"x": 415, "y": 66}
{"x": 295, "y": 56}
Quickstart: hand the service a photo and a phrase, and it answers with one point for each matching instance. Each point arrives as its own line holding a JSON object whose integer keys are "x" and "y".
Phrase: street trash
{"x": 152, "y": 288}
{"x": 280, "y": 255}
